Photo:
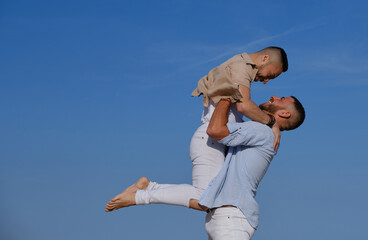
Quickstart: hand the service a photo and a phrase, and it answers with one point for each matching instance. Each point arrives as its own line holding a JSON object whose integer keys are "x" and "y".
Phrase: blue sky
{"x": 95, "y": 94}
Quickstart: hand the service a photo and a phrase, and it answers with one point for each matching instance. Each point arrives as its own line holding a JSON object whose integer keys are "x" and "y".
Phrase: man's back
{"x": 250, "y": 153}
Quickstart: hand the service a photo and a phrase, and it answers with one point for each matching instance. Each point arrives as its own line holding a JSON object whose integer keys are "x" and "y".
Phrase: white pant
{"x": 228, "y": 223}
{"x": 207, "y": 157}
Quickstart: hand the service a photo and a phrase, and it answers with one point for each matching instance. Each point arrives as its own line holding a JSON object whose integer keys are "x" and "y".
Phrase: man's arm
{"x": 217, "y": 128}
{"x": 249, "y": 109}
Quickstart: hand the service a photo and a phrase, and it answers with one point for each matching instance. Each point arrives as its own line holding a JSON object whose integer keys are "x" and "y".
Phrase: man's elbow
{"x": 211, "y": 131}
{"x": 217, "y": 133}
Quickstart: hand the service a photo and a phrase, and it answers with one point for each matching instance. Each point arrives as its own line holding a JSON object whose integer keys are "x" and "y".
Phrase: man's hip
{"x": 228, "y": 223}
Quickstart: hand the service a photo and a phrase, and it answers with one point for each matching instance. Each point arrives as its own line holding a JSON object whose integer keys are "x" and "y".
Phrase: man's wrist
{"x": 272, "y": 121}
{"x": 226, "y": 99}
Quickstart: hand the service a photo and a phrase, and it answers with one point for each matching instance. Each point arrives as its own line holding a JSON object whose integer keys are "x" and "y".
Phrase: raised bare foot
{"x": 127, "y": 197}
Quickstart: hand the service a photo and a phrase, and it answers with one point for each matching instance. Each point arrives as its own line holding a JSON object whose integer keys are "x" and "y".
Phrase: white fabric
{"x": 228, "y": 223}
{"x": 233, "y": 115}
{"x": 207, "y": 157}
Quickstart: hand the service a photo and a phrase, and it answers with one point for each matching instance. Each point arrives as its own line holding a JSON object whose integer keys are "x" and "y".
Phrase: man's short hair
{"x": 281, "y": 55}
{"x": 277, "y": 55}
{"x": 297, "y": 119}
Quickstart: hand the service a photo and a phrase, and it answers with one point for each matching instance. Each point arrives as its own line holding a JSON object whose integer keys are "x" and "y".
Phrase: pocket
{"x": 197, "y": 144}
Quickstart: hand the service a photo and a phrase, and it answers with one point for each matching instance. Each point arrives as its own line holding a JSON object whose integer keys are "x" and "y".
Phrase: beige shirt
{"x": 223, "y": 81}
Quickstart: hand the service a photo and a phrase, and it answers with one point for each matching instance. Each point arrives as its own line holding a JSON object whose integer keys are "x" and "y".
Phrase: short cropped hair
{"x": 299, "y": 118}
{"x": 283, "y": 56}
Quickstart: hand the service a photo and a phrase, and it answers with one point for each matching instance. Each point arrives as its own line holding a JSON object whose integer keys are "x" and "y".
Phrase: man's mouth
{"x": 271, "y": 100}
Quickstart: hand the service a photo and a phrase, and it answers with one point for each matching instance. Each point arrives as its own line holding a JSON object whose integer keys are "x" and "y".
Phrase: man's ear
{"x": 265, "y": 58}
{"x": 283, "y": 114}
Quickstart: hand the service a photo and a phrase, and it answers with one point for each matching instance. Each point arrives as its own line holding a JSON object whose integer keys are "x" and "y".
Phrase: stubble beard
{"x": 259, "y": 78}
{"x": 269, "y": 108}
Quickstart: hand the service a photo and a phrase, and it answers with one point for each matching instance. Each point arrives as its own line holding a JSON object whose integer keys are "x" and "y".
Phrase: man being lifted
{"x": 230, "y": 80}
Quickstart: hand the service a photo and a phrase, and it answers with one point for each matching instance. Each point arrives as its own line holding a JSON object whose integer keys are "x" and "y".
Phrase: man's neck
{"x": 268, "y": 112}
{"x": 253, "y": 57}
{"x": 276, "y": 118}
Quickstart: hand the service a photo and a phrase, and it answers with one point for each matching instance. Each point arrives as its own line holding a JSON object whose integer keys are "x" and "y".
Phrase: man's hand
{"x": 249, "y": 108}
{"x": 277, "y": 133}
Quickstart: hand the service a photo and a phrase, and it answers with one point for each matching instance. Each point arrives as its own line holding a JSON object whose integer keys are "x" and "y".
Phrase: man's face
{"x": 267, "y": 72}
{"x": 276, "y": 104}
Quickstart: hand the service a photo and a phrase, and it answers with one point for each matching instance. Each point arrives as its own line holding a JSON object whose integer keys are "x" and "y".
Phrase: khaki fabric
{"x": 223, "y": 81}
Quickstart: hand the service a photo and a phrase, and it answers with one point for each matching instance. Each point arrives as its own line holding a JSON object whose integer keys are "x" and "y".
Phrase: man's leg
{"x": 228, "y": 223}
{"x": 207, "y": 157}
{"x": 126, "y": 198}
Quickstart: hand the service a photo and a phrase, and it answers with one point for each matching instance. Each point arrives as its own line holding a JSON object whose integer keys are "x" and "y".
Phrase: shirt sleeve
{"x": 247, "y": 134}
{"x": 240, "y": 73}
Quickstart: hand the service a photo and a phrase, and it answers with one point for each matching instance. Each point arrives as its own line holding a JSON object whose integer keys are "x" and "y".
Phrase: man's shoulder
{"x": 261, "y": 133}
{"x": 240, "y": 58}
{"x": 233, "y": 59}
{"x": 248, "y": 127}
{"x": 250, "y": 134}
{"x": 254, "y": 124}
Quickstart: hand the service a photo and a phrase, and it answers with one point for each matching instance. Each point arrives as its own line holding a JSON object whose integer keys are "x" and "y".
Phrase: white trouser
{"x": 228, "y": 223}
{"x": 207, "y": 157}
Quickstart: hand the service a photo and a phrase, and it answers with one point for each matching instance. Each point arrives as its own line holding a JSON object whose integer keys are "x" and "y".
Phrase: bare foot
{"x": 127, "y": 197}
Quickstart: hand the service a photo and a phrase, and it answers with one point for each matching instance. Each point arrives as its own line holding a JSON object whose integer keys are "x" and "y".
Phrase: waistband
{"x": 224, "y": 206}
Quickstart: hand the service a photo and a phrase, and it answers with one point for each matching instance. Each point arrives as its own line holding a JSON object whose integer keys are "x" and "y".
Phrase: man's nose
{"x": 275, "y": 97}
{"x": 265, "y": 80}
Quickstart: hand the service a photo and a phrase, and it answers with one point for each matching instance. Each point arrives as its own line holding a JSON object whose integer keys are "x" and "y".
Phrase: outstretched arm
{"x": 217, "y": 128}
{"x": 249, "y": 109}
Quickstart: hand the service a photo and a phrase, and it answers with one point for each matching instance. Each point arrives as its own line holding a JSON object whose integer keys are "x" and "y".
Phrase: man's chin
{"x": 259, "y": 80}
{"x": 262, "y": 106}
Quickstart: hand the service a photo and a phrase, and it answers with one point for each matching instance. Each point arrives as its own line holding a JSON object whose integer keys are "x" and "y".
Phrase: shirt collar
{"x": 248, "y": 60}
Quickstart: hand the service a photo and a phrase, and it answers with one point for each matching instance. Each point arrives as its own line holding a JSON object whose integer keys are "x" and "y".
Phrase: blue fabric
{"x": 250, "y": 153}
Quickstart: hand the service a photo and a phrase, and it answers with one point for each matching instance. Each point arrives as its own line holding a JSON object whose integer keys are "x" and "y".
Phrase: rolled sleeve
{"x": 234, "y": 138}
{"x": 247, "y": 134}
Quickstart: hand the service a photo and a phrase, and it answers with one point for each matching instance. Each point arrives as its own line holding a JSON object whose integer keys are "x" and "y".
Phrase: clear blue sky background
{"x": 95, "y": 94}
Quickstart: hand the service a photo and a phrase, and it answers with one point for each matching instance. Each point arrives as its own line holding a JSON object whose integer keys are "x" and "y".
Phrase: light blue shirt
{"x": 250, "y": 153}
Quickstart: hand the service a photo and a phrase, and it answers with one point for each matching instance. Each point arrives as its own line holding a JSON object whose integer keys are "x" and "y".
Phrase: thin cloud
{"x": 189, "y": 53}
{"x": 256, "y": 42}
{"x": 181, "y": 53}
{"x": 337, "y": 60}
{"x": 341, "y": 64}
